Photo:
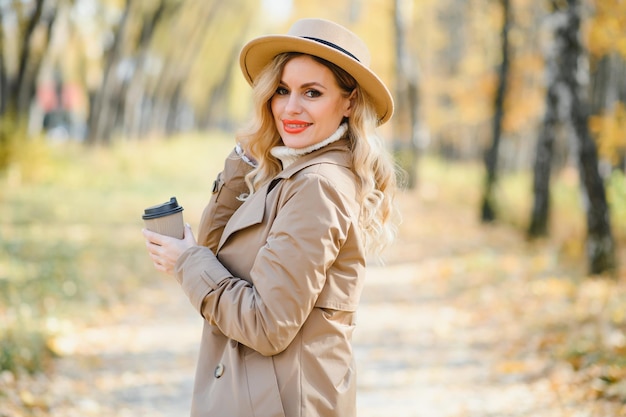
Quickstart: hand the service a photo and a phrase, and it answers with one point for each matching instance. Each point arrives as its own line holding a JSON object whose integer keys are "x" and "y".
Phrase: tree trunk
{"x": 5, "y": 149}
{"x": 14, "y": 118}
{"x": 29, "y": 80}
{"x": 545, "y": 143}
{"x": 600, "y": 244}
{"x": 102, "y": 113}
{"x": 407, "y": 102}
{"x": 174, "y": 111}
{"x": 488, "y": 211}
{"x": 3, "y": 74}
{"x": 16, "y": 87}
{"x": 177, "y": 67}
{"x": 24, "y": 59}
{"x": 134, "y": 90}
{"x": 608, "y": 88}
{"x": 543, "y": 165}
{"x": 215, "y": 113}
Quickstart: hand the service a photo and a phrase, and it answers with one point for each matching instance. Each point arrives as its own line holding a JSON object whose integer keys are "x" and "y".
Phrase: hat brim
{"x": 259, "y": 52}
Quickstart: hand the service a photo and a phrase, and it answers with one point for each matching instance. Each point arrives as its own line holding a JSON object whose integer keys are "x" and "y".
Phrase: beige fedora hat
{"x": 329, "y": 41}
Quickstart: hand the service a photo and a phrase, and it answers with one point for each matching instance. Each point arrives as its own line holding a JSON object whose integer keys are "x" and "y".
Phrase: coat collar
{"x": 337, "y": 153}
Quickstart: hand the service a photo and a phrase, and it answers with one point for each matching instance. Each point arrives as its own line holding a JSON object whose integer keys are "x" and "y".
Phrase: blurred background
{"x": 512, "y": 112}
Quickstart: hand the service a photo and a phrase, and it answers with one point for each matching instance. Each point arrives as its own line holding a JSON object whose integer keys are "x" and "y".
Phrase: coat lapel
{"x": 252, "y": 210}
{"x": 250, "y": 213}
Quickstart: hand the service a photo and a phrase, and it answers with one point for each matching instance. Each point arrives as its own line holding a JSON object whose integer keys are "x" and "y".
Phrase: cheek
{"x": 273, "y": 106}
{"x": 339, "y": 111}
{"x": 277, "y": 105}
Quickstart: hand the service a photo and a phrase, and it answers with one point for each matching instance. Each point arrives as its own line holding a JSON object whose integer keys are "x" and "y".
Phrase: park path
{"x": 437, "y": 336}
{"x": 418, "y": 352}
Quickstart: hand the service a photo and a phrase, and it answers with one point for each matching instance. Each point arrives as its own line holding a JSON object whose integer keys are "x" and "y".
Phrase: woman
{"x": 279, "y": 265}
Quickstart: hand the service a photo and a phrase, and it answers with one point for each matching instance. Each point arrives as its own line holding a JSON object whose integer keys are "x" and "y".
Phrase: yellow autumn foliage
{"x": 609, "y": 129}
{"x": 607, "y": 28}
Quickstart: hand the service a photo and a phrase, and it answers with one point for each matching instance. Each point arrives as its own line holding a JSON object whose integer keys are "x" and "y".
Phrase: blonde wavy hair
{"x": 372, "y": 164}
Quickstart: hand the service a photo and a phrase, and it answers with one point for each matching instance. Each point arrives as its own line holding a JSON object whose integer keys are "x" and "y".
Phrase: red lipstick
{"x": 295, "y": 126}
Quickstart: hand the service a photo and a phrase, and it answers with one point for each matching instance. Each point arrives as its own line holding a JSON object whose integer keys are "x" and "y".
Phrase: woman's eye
{"x": 282, "y": 91}
{"x": 312, "y": 93}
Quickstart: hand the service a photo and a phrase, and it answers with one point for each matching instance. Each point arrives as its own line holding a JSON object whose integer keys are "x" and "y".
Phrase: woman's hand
{"x": 165, "y": 251}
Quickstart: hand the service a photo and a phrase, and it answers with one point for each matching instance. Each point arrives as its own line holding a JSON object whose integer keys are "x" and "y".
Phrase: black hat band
{"x": 332, "y": 45}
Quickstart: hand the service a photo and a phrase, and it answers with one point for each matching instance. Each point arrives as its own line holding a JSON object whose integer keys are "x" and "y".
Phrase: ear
{"x": 351, "y": 101}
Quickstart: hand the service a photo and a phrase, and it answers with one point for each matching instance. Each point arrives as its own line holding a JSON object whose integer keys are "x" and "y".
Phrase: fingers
{"x": 188, "y": 235}
{"x": 157, "y": 249}
{"x": 156, "y": 261}
{"x": 153, "y": 237}
{"x": 160, "y": 258}
{"x": 164, "y": 250}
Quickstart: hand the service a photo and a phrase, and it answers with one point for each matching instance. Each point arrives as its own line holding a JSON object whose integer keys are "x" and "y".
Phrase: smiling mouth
{"x": 294, "y": 126}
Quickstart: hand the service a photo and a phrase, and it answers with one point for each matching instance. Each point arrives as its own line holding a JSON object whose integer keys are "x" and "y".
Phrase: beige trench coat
{"x": 279, "y": 297}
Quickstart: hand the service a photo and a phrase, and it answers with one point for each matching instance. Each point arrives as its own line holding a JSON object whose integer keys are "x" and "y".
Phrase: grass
{"x": 70, "y": 240}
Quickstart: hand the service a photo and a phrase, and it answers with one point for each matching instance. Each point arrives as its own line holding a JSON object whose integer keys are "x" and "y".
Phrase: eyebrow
{"x": 307, "y": 85}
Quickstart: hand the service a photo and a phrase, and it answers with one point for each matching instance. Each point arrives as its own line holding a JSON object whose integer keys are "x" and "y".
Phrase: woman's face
{"x": 308, "y": 105}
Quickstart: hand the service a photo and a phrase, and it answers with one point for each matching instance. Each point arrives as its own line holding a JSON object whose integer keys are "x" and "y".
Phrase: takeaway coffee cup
{"x": 166, "y": 219}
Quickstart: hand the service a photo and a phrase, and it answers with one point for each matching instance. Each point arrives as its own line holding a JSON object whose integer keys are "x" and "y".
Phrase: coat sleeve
{"x": 227, "y": 188}
{"x": 289, "y": 272}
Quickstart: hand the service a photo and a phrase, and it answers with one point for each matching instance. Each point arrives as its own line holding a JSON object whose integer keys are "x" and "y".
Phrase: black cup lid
{"x": 161, "y": 210}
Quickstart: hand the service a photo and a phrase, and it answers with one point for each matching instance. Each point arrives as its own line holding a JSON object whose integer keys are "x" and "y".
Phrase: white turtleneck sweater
{"x": 289, "y": 155}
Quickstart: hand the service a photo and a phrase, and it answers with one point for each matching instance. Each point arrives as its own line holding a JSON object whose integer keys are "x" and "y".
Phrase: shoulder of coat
{"x": 337, "y": 176}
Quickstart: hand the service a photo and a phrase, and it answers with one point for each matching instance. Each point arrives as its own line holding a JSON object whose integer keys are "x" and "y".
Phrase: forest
{"x": 100, "y": 98}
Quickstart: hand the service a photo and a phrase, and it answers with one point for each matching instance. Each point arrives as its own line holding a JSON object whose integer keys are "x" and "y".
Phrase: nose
{"x": 293, "y": 105}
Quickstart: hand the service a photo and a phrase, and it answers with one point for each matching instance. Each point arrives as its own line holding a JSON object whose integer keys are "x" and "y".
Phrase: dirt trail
{"x": 435, "y": 338}
{"x": 421, "y": 354}
{"x": 140, "y": 364}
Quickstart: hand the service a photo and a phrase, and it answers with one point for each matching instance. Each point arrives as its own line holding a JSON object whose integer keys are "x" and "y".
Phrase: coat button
{"x": 219, "y": 370}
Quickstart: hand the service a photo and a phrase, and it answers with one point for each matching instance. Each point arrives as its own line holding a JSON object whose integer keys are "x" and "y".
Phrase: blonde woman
{"x": 279, "y": 264}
